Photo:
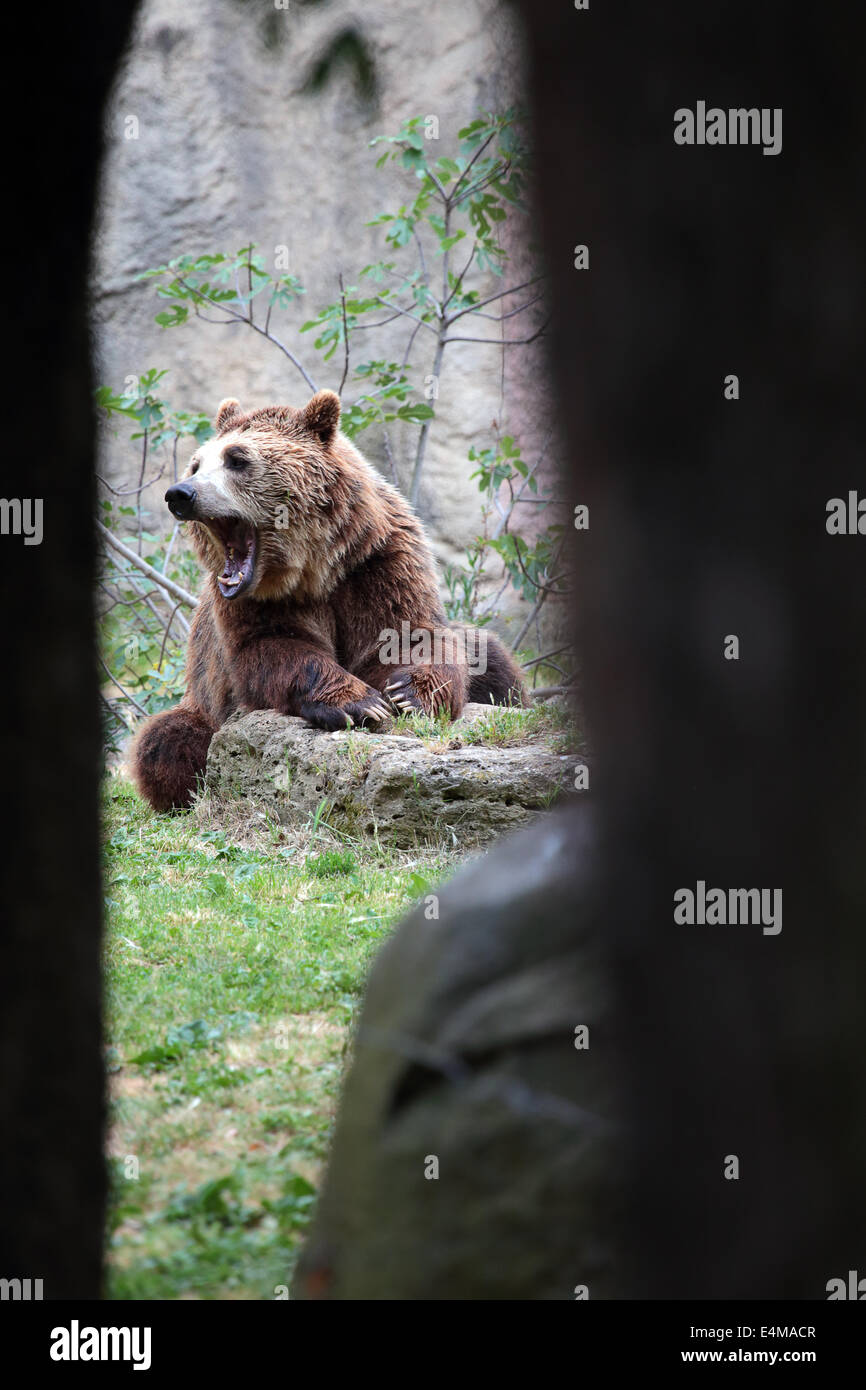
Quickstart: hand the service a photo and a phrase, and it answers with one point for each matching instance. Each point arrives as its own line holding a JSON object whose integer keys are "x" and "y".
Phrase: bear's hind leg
{"x": 169, "y": 756}
{"x": 501, "y": 682}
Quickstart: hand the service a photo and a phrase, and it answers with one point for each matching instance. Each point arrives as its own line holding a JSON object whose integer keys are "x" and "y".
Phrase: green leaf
{"x": 415, "y": 412}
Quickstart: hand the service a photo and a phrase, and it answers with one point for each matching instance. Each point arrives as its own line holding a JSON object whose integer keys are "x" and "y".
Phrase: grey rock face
{"x": 229, "y": 149}
{"x": 385, "y": 784}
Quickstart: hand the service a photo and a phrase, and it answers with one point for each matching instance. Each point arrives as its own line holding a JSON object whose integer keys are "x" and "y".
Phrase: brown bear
{"x": 321, "y": 597}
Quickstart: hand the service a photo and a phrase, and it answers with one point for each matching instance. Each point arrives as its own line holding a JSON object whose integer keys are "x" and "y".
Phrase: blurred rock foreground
{"x": 475, "y": 1150}
{"x": 231, "y": 148}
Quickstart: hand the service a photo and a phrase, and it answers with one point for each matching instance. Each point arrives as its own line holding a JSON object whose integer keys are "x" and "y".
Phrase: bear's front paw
{"x": 403, "y": 695}
{"x": 422, "y": 691}
{"x": 369, "y": 710}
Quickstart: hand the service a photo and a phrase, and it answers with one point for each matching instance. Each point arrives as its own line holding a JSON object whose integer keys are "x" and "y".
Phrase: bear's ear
{"x": 321, "y": 415}
{"x": 227, "y": 411}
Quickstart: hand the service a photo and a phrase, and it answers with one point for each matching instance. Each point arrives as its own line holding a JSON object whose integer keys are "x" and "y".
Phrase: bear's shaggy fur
{"x": 311, "y": 557}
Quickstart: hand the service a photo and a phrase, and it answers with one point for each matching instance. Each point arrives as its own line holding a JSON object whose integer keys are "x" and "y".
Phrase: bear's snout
{"x": 181, "y": 500}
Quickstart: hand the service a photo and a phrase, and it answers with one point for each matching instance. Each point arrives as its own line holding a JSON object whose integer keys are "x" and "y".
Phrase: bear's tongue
{"x": 240, "y": 555}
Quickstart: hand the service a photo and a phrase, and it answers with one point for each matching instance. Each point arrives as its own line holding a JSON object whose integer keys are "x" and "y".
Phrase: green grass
{"x": 235, "y": 963}
{"x": 502, "y": 726}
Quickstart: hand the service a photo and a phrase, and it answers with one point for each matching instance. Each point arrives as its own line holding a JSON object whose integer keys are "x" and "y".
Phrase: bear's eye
{"x": 194, "y": 466}
{"x": 235, "y": 459}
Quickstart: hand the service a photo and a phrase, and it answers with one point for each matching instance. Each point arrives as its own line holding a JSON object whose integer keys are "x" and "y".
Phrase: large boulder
{"x": 400, "y": 787}
{"x": 476, "y": 1153}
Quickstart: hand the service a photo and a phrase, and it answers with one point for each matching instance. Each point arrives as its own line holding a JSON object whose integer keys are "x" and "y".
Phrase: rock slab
{"x": 391, "y": 785}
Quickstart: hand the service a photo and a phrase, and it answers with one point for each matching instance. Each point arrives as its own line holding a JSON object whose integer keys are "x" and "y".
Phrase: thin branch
{"x": 141, "y": 596}
{"x": 130, "y": 491}
{"x": 489, "y": 604}
{"x": 538, "y": 607}
{"x": 345, "y": 338}
{"x": 165, "y": 638}
{"x": 481, "y": 148}
{"x": 424, "y": 274}
{"x": 162, "y": 621}
{"x": 541, "y": 501}
{"x": 440, "y": 190}
{"x": 502, "y": 342}
{"x": 500, "y": 171}
{"x": 425, "y": 431}
{"x": 412, "y": 336}
{"x": 460, "y": 278}
{"x": 414, "y": 317}
{"x": 472, "y": 308}
{"x": 539, "y": 660}
{"x": 174, "y": 535}
{"x": 118, "y": 602}
{"x": 141, "y": 484}
{"x": 161, "y": 579}
{"x": 241, "y": 318}
{"x": 390, "y": 457}
{"x": 546, "y": 691}
{"x": 528, "y": 624}
{"x": 125, "y": 693}
{"x": 115, "y": 714}
{"x": 380, "y": 323}
{"x": 291, "y": 356}
{"x": 536, "y": 583}
{"x": 500, "y": 318}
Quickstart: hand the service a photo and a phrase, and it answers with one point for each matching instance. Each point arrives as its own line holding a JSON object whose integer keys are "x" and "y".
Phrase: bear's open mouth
{"x": 238, "y": 539}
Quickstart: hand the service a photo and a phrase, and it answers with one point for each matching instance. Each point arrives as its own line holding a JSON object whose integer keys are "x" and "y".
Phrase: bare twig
{"x": 141, "y": 485}
{"x": 472, "y": 308}
{"x": 174, "y": 535}
{"x": 538, "y": 607}
{"x": 241, "y": 318}
{"x": 380, "y": 323}
{"x": 500, "y": 318}
{"x": 459, "y": 281}
{"x": 542, "y": 501}
{"x": 412, "y": 336}
{"x": 503, "y": 342}
{"x": 390, "y": 457}
{"x": 489, "y": 605}
{"x": 130, "y": 491}
{"x": 345, "y": 338}
{"x": 540, "y": 660}
{"x": 500, "y": 171}
{"x": 165, "y": 637}
{"x": 415, "y": 485}
{"x": 424, "y": 274}
{"x": 546, "y": 691}
{"x": 162, "y": 621}
{"x": 125, "y": 693}
{"x": 477, "y": 155}
{"x": 161, "y": 579}
{"x": 389, "y": 304}
{"x": 115, "y": 713}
